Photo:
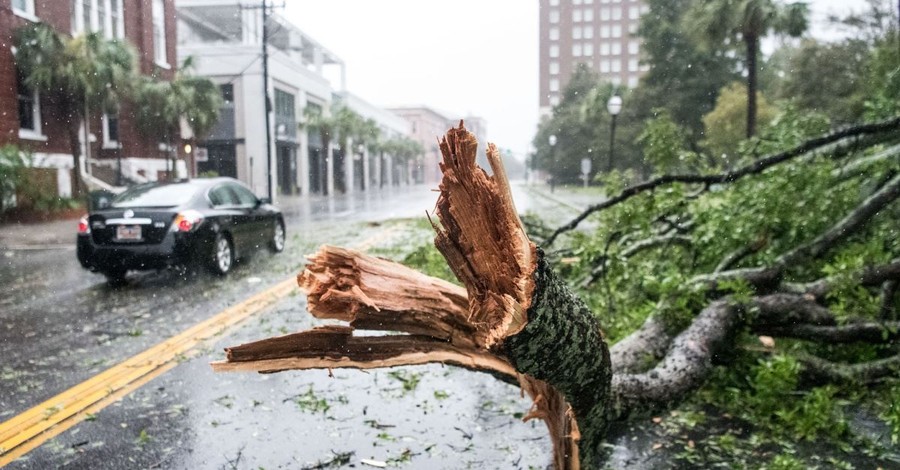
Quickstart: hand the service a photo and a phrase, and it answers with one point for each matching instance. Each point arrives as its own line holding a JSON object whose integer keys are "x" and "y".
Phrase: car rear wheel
{"x": 276, "y": 244}
{"x": 222, "y": 257}
{"x": 115, "y": 277}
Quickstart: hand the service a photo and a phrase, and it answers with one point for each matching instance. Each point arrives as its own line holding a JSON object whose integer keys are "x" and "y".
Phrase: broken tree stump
{"x": 515, "y": 318}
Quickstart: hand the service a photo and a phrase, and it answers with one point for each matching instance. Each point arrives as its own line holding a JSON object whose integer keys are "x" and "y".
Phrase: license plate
{"x": 128, "y": 232}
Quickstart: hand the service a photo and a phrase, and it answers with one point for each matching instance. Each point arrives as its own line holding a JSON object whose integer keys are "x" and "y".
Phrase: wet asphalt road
{"x": 60, "y": 325}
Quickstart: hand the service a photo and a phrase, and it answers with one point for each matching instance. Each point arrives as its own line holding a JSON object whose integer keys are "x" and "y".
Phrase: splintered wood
{"x": 483, "y": 239}
{"x": 485, "y": 244}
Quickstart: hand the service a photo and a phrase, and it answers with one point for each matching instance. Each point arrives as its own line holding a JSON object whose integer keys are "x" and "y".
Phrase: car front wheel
{"x": 222, "y": 256}
{"x": 276, "y": 245}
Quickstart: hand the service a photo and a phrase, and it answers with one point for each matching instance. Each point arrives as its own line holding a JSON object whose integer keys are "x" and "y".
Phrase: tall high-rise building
{"x": 602, "y": 34}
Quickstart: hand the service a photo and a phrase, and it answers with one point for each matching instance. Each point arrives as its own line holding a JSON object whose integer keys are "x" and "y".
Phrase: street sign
{"x": 585, "y": 170}
{"x": 202, "y": 154}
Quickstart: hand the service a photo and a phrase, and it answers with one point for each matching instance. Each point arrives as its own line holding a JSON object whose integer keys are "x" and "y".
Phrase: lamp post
{"x": 614, "y": 106}
{"x": 552, "y": 141}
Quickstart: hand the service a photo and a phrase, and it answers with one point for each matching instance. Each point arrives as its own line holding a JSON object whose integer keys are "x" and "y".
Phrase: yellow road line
{"x": 31, "y": 428}
{"x": 35, "y": 426}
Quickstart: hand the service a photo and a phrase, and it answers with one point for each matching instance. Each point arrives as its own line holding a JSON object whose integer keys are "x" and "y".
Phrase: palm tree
{"x": 75, "y": 74}
{"x": 161, "y": 106}
{"x": 343, "y": 124}
{"x": 748, "y": 21}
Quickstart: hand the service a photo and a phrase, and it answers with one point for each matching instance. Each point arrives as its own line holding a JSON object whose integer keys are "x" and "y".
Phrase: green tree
{"x": 725, "y": 124}
{"x": 580, "y": 125}
{"x": 161, "y": 106}
{"x": 746, "y": 21}
{"x": 12, "y": 174}
{"x": 839, "y": 94}
{"x": 685, "y": 74}
{"x": 80, "y": 75}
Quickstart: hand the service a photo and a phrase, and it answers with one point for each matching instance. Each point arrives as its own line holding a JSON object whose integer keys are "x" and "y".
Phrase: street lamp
{"x": 552, "y": 141}
{"x": 614, "y": 106}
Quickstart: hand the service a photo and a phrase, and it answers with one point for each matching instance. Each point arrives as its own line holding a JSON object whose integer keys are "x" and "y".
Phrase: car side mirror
{"x": 263, "y": 200}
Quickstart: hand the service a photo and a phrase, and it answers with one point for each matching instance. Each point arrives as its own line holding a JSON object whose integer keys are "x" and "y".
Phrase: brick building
{"x": 601, "y": 34}
{"x": 149, "y": 26}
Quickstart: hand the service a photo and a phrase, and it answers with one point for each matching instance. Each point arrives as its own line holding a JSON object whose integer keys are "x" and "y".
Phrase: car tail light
{"x": 187, "y": 221}
{"x": 83, "y": 225}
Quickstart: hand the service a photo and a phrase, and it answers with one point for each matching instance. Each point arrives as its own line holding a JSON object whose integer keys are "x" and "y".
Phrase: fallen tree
{"x": 517, "y": 319}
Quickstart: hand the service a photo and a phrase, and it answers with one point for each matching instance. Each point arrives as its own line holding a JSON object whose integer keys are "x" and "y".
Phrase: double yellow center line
{"x": 35, "y": 426}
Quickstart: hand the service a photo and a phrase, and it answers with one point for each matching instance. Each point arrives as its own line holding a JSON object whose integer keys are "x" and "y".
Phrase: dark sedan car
{"x": 210, "y": 222}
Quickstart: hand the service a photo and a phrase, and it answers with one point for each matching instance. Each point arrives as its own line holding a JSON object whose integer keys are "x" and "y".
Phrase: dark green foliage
{"x": 12, "y": 174}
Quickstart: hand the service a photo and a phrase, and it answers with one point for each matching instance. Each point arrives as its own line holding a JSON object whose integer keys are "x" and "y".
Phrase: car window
{"x": 222, "y": 196}
{"x": 245, "y": 197}
{"x": 167, "y": 195}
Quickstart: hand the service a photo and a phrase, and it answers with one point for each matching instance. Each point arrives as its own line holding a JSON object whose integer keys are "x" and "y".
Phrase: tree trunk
{"x": 74, "y": 143}
{"x": 752, "y": 43}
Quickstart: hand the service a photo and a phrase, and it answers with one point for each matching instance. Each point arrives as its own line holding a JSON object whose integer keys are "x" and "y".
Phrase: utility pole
{"x": 265, "y": 67}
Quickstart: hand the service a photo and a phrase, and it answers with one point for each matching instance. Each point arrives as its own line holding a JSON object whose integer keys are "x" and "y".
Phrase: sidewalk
{"x": 59, "y": 234}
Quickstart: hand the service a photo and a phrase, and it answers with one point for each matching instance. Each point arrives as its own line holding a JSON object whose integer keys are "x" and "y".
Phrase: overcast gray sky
{"x": 462, "y": 57}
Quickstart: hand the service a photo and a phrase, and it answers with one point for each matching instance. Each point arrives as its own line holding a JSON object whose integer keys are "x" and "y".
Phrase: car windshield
{"x": 168, "y": 195}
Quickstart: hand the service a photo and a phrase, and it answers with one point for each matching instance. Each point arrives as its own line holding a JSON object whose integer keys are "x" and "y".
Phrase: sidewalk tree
{"x": 725, "y": 125}
{"x": 79, "y": 76}
{"x": 746, "y": 22}
{"x": 693, "y": 276}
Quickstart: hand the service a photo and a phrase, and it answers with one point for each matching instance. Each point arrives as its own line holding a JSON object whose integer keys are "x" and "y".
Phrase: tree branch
{"x": 728, "y": 177}
{"x": 869, "y": 332}
{"x": 887, "y": 311}
{"x": 867, "y": 277}
{"x": 819, "y": 370}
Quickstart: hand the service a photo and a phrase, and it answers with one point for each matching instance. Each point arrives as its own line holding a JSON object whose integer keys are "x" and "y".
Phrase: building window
{"x": 616, "y": 30}
{"x": 588, "y": 2}
{"x": 604, "y": 31}
{"x": 554, "y": 34}
{"x": 227, "y": 91}
{"x": 110, "y": 130}
{"x": 284, "y": 105}
{"x": 554, "y": 16}
{"x": 616, "y": 66}
{"x": 588, "y": 49}
{"x": 554, "y": 3}
{"x": 616, "y": 81}
{"x": 588, "y": 15}
{"x": 576, "y": 33}
{"x": 633, "y": 12}
{"x": 632, "y": 47}
{"x": 604, "y": 66}
{"x": 617, "y": 13}
{"x": 588, "y": 32}
{"x": 554, "y": 68}
{"x": 576, "y": 50}
{"x": 633, "y": 28}
{"x": 616, "y": 48}
{"x": 554, "y": 85}
{"x": 576, "y": 15}
{"x": 23, "y": 8}
{"x": 554, "y": 100}
{"x": 576, "y": 2}
{"x": 102, "y": 16}
{"x": 604, "y": 48}
{"x": 632, "y": 82}
{"x": 29, "y": 108}
{"x": 554, "y": 50}
{"x": 645, "y": 9}
{"x": 159, "y": 33}
{"x": 632, "y": 65}
{"x": 604, "y": 13}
